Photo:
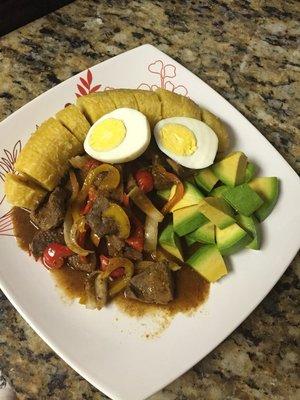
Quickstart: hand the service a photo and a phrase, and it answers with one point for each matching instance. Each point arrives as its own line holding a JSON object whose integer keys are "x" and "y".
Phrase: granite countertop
{"x": 247, "y": 51}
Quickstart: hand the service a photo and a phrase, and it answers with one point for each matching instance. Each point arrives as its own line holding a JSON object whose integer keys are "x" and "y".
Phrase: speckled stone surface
{"x": 247, "y": 51}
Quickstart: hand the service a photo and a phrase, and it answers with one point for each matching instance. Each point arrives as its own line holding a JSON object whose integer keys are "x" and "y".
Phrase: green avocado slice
{"x": 208, "y": 262}
{"x": 268, "y": 189}
{"x": 243, "y": 199}
{"x": 188, "y": 219}
{"x": 232, "y": 239}
{"x": 252, "y": 226}
{"x": 231, "y": 170}
{"x": 170, "y": 242}
{"x": 217, "y": 211}
{"x": 206, "y": 179}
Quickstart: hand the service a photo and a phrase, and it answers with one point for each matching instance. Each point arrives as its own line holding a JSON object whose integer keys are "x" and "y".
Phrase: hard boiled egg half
{"x": 188, "y": 141}
{"x": 119, "y": 136}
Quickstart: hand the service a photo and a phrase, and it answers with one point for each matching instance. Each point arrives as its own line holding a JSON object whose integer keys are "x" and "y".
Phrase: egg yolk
{"x": 178, "y": 139}
{"x": 107, "y": 135}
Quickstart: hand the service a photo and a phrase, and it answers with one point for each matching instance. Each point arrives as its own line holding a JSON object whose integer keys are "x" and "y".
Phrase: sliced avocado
{"x": 164, "y": 194}
{"x": 218, "y": 191}
{"x": 186, "y": 220}
{"x": 189, "y": 240}
{"x": 252, "y": 226}
{"x": 268, "y": 190}
{"x": 204, "y": 234}
{"x": 250, "y": 171}
{"x": 206, "y": 179}
{"x": 243, "y": 199}
{"x": 231, "y": 170}
{"x": 217, "y": 211}
{"x": 170, "y": 242}
{"x": 232, "y": 239}
{"x": 192, "y": 196}
{"x": 208, "y": 262}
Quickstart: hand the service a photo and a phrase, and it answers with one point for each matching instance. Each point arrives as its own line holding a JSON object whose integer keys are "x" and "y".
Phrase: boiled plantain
{"x": 176, "y": 105}
{"x": 149, "y": 104}
{"x": 22, "y": 193}
{"x": 45, "y": 156}
{"x": 219, "y": 128}
{"x": 123, "y": 98}
{"x": 95, "y": 105}
{"x": 73, "y": 119}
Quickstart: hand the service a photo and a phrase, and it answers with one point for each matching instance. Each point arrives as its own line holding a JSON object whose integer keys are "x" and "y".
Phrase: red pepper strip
{"x": 117, "y": 273}
{"x": 104, "y": 261}
{"x": 144, "y": 180}
{"x": 125, "y": 200}
{"x": 136, "y": 240}
{"x": 179, "y": 192}
{"x": 92, "y": 196}
{"x": 90, "y": 164}
{"x": 54, "y": 254}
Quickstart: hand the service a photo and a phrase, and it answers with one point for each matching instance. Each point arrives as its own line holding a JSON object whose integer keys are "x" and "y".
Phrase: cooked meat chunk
{"x": 51, "y": 214}
{"x": 114, "y": 245}
{"x": 107, "y": 226}
{"x": 141, "y": 266}
{"x": 154, "y": 285}
{"x": 87, "y": 264}
{"x": 42, "y": 238}
{"x": 101, "y": 226}
{"x": 117, "y": 194}
{"x": 160, "y": 181}
{"x": 132, "y": 254}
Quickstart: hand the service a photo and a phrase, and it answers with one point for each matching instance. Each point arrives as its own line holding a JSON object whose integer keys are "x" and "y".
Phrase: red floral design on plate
{"x": 7, "y": 165}
{"x": 86, "y": 85}
{"x": 166, "y": 72}
{"x": 6, "y": 225}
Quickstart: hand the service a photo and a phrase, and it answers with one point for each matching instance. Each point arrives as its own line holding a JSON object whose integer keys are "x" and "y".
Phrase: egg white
{"x": 207, "y": 142}
{"x": 136, "y": 140}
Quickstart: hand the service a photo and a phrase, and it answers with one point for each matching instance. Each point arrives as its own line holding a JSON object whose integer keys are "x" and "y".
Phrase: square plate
{"x": 108, "y": 344}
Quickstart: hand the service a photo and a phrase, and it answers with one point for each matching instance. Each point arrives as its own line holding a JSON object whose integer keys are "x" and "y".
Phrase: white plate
{"x": 108, "y": 348}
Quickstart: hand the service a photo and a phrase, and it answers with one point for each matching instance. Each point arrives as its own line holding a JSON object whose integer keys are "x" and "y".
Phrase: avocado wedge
{"x": 243, "y": 199}
{"x": 208, "y": 262}
{"x": 250, "y": 171}
{"x": 268, "y": 189}
{"x": 231, "y": 170}
{"x": 232, "y": 239}
{"x": 186, "y": 220}
{"x": 170, "y": 242}
{"x": 252, "y": 226}
{"x": 217, "y": 211}
{"x": 204, "y": 234}
{"x": 206, "y": 179}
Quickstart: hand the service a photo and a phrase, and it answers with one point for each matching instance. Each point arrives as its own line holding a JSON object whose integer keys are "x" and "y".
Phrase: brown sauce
{"x": 191, "y": 292}
{"x": 191, "y": 289}
{"x": 24, "y": 230}
{"x": 70, "y": 281}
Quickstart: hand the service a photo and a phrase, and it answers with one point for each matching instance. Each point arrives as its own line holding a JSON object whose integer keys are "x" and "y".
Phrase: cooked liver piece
{"x": 114, "y": 245}
{"x": 101, "y": 226}
{"x": 42, "y": 238}
{"x": 160, "y": 181}
{"x": 87, "y": 265}
{"x": 51, "y": 214}
{"x": 154, "y": 285}
{"x": 132, "y": 254}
